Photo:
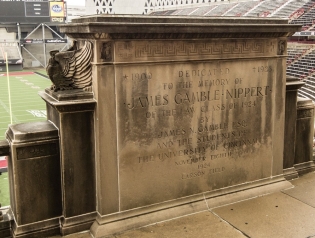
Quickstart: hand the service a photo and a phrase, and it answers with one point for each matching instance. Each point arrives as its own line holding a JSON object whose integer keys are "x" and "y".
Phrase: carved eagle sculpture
{"x": 71, "y": 69}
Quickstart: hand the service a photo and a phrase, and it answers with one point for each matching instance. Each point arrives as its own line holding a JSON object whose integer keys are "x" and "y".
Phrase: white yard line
{"x": 8, "y": 111}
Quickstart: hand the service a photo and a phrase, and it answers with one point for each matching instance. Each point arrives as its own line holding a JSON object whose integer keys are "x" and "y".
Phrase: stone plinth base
{"x": 290, "y": 173}
{"x": 35, "y": 179}
{"x": 116, "y": 223}
{"x": 72, "y": 111}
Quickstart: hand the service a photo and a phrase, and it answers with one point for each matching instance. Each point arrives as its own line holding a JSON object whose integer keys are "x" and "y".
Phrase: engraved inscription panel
{"x": 305, "y": 113}
{"x": 152, "y": 50}
{"x": 34, "y": 151}
{"x": 189, "y": 128}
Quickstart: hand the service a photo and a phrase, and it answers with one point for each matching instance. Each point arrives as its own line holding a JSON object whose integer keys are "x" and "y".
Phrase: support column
{"x": 72, "y": 111}
{"x": 292, "y": 86}
{"x": 35, "y": 179}
{"x": 303, "y": 159}
{"x": 44, "y": 44}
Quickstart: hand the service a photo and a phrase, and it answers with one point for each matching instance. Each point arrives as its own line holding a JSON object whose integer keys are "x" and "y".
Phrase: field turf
{"x": 4, "y": 190}
{"x": 26, "y": 104}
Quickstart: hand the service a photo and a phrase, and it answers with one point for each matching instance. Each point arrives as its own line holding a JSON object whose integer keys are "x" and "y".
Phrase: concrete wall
{"x": 5, "y": 36}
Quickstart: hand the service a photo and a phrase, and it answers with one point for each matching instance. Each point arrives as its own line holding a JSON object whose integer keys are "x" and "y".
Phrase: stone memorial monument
{"x": 160, "y": 117}
{"x": 185, "y": 108}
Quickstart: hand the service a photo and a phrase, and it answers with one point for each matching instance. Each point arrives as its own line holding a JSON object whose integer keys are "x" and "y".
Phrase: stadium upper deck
{"x": 297, "y": 11}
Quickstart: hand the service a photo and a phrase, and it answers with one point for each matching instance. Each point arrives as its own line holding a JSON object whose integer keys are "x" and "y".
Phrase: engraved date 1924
{"x": 249, "y": 104}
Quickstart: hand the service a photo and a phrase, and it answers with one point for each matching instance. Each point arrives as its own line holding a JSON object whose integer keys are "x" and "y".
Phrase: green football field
{"x": 26, "y": 104}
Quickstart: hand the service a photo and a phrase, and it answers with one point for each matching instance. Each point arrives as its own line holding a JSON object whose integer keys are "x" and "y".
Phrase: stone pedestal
{"x": 303, "y": 160}
{"x": 5, "y": 220}
{"x": 72, "y": 111}
{"x": 188, "y": 109}
{"x": 292, "y": 86}
{"x": 35, "y": 179}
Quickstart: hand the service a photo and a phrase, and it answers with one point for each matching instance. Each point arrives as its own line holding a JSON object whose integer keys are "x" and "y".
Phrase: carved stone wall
{"x": 188, "y": 110}
{"x": 180, "y": 50}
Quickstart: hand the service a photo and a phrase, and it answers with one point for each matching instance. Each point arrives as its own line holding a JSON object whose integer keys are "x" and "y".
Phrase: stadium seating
{"x": 11, "y": 49}
{"x": 13, "y": 54}
{"x": 298, "y": 11}
{"x": 266, "y": 8}
{"x": 307, "y": 19}
{"x": 287, "y": 10}
{"x": 301, "y": 64}
{"x": 220, "y": 9}
{"x": 202, "y": 11}
{"x": 295, "y": 54}
{"x": 241, "y": 8}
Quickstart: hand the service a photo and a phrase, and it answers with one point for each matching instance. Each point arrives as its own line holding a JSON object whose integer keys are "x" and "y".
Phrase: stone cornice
{"x": 135, "y": 27}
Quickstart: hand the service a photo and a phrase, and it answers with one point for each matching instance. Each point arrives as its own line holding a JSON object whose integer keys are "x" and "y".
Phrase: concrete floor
{"x": 285, "y": 214}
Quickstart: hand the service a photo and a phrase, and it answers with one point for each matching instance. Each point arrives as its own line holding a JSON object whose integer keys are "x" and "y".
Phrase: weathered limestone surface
{"x": 292, "y": 86}
{"x": 35, "y": 179}
{"x": 187, "y": 109}
{"x": 72, "y": 113}
{"x": 303, "y": 159}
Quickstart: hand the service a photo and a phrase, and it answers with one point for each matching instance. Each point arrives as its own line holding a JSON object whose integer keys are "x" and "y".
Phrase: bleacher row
{"x": 11, "y": 49}
{"x": 301, "y": 64}
{"x": 307, "y": 20}
{"x": 297, "y": 11}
